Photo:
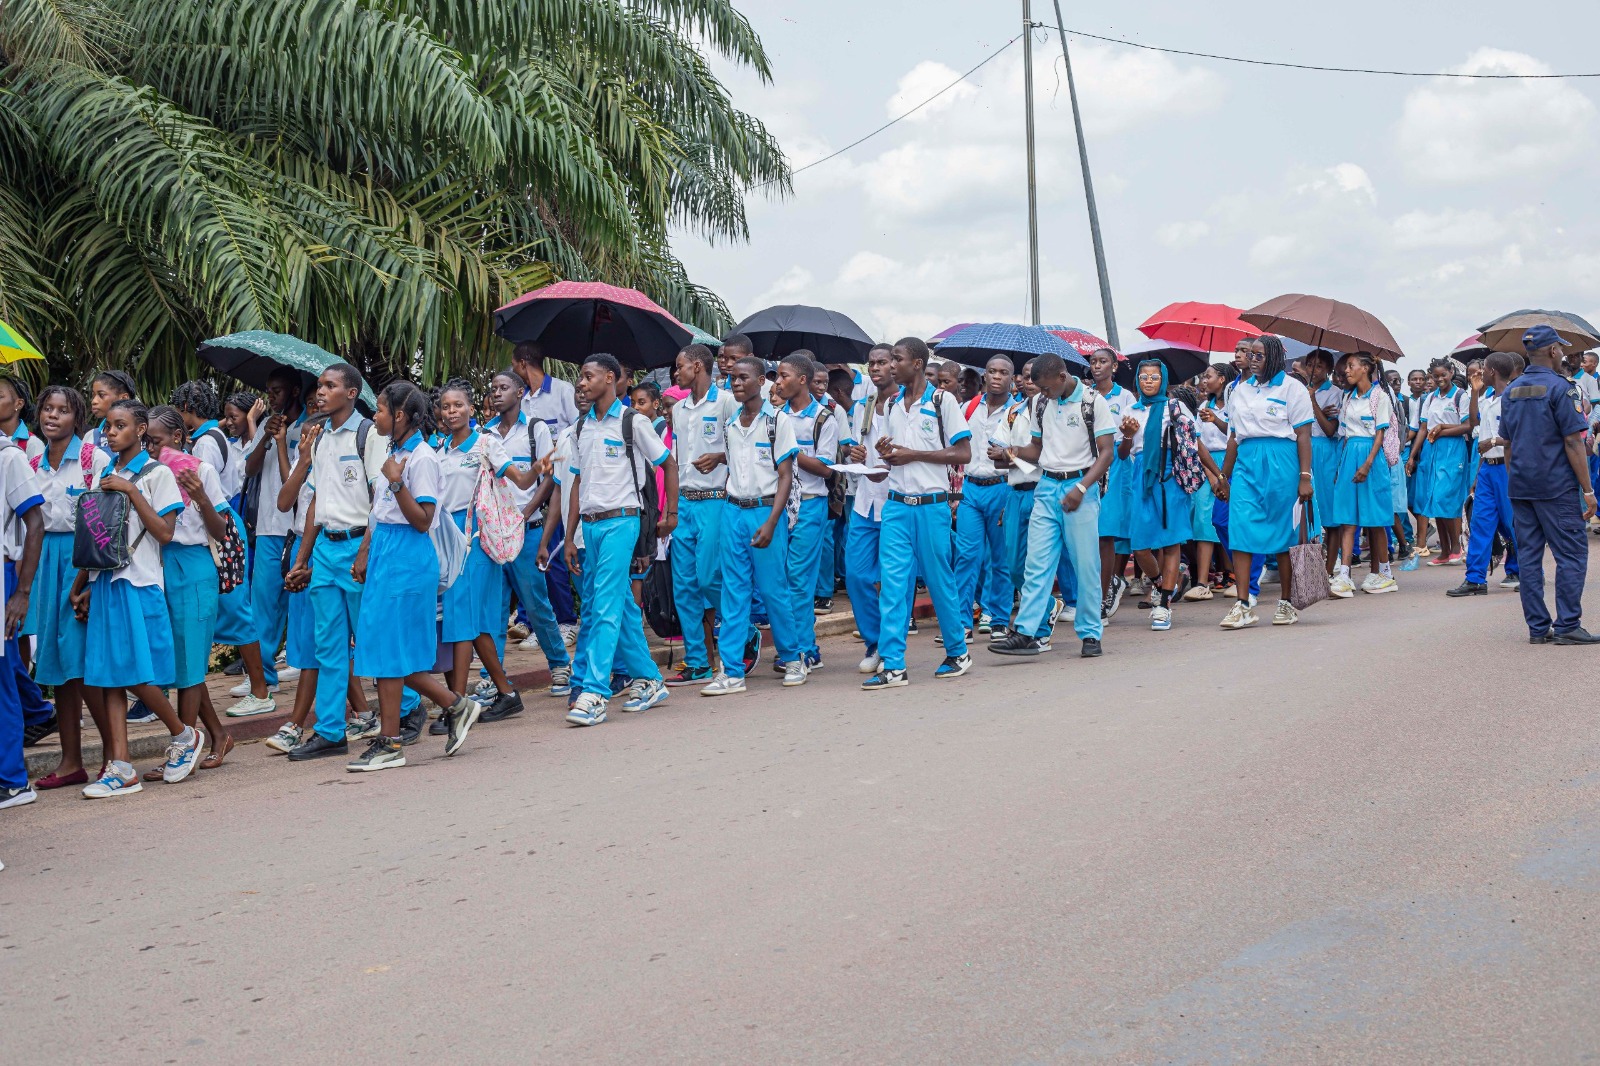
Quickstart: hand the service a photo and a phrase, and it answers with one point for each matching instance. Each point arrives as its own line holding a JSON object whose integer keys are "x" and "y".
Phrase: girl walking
{"x": 1439, "y": 458}
{"x": 1363, "y": 491}
{"x": 1211, "y": 423}
{"x": 1158, "y": 435}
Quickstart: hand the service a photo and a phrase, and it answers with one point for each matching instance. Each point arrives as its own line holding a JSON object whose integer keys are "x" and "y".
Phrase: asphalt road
{"x": 1372, "y": 837}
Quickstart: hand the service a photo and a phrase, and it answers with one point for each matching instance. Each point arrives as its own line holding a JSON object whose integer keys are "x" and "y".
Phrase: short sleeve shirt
{"x": 1540, "y": 410}
{"x": 1446, "y": 408}
{"x": 208, "y": 445}
{"x": 606, "y": 483}
{"x": 1213, "y": 438}
{"x": 1327, "y": 395}
{"x": 271, "y": 522}
{"x": 987, "y": 427}
{"x": 552, "y": 403}
{"x": 699, "y": 427}
{"x": 420, "y": 475}
{"x": 191, "y": 527}
{"x": 756, "y": 451}
{"x": 62, "y": 486}
{"x": 345, "y": 482}
{"x": 1064, "y": 433}
{"x": 520, "y": 451}
{"x": 1489, "y": 422}
{"x": 159, "y": 487}
{"x": 918, "y": 429}
{"x": 23, "y": 491}
{"x": 25, "y": 439}
{"x": 458, "y": 467}
{"x": 1355, "y": 415}
{"x": 820, "y": 444}
{"x": 1274, "y": 408}
{"x": 867, "y": 431}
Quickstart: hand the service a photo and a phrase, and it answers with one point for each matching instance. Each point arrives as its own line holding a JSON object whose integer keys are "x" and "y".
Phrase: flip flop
{"x": 54, "y": 780}
{"x": 215, "y": 759}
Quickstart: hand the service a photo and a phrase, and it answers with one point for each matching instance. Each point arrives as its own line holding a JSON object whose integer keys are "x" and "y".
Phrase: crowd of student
{"x": 1016, "y": 498}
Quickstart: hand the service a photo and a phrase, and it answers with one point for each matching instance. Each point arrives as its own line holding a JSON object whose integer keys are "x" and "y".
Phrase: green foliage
{"x": 375, "y": 176}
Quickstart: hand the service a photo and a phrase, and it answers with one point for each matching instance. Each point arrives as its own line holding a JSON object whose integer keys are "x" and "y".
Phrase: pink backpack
{"x": 85, "y": 462}
{"x": 499, "y": 521}
{"x": 1391, "y": 436}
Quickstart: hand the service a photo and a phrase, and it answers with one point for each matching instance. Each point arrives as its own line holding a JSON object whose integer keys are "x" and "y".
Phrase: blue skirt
{"x": 1162, "y": 516}
{"x": 191, "y": 580}
{"x": 59, "y": 656}
{"x": 1262, "y": 494}
{"x": 300, "y": 649}
{"x": 236, "y": 622}
{"x": 1368, "y": 504}
{"x": 1399, "y": 484}
{"x": 129, "y": 638}
{"x": 1325, "y": 454}
{"x": 396, "y": 635}
{"x": 1205, "y": 502}
{"x": 1442, "y": 478}
{"x": 472, "y": 604}
{"x": 1116, "y": 502}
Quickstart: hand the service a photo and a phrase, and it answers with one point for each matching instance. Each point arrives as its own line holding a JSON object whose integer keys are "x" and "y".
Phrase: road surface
{"x": 1372, "y": 837}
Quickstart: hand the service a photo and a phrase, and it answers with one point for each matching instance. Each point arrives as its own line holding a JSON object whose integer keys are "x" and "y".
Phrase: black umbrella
{"x": 571, "y": 320}
{"x": 829, "y": 335}
{"x": 1183, "y": 361}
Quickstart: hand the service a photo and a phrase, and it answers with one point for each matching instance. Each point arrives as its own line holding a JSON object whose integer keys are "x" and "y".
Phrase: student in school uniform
{"x": 1362, "y": 495}
{"x": 1326, "y": 401}
{"x": 552, "y": 544}
{"x": 607, "y": 476}
{"x": 861, "y": 568}
{"x": 21, "y": 512}
{"x": 1267, "y": 467}
{"x": 1071, "y": 460}
{"x": 529, "y": 446}
{"x": 552, "y": 401}
{"x": 1417, "y": 386}
{"x": 1162, "y": 516}
{"x": 66, "y": 468}
{"x": 128, "y": 643}
{"x": 839, "y": 415}
{"x": 816, "y": 433}
{"x": 1020, "y": 485}
{"x": 699, "y": 440}
{"x": 238, "y": 424}
{"x": 1491, "y": 508}
{"x": 1439, "y": 458}
{"x": 980, "y": 517}
{"x": 924, "y": 435}
{"x": 760, "y": 451}
{"x": 1116, "y": 501}
{"x": 16, "y": 411}
{"x": 105, "y": 389}
{"x": 1211, "y": 422}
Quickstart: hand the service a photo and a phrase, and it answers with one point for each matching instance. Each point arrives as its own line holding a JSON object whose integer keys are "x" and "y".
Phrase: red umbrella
{"x": 1086, "y": 343}
{"x": 572, "y": 320}
{"x": 1325, "y": 323}
{"x": 1471, "y": 348}
{"x": 1212, "y": 327}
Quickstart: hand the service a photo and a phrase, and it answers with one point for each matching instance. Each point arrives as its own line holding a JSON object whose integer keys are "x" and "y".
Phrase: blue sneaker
{"x": 589, "y": 709}
{"x": 112, "y": 783}
{"x": 953, "y": 666}
{"x": 138, "y": 713}
{"x": 646, "y": 694}
{"x": 181, "y": 757}
{"x": 560, "y": 680}
{"x": 885, "y": 679}
{"x": 813, "y": 660}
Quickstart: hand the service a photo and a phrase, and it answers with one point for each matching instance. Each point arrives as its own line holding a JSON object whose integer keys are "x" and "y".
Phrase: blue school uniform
{"x": 236, "y": 622}
{"x": 1163, "y": 514}
{"x": 190, "y": 578}
{"x": 1365, "y": 504}
{"x": 522, "y": 575}
{"x": 1443, "y": 470}
{"x": 699, "y": 428}
{"x": 58, "y": 656}
{"x": 403, "y": 572}
{"x": 1325, "y": 454}
{"x": 818, "y": 438}
{"x": 1116, "y": 503}
{"x": 1264, "y": 418}
{"x": 472, "y": 605}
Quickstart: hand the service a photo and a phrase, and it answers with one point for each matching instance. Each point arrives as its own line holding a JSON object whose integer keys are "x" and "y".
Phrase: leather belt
{"x": 1064, "y": 475}
{"x": 1493, "y": 462}
{"x": 983, "y": 480}
{"x": 615, "y": 512}
{"x": 1026, "y": 486}
{"x": 345, "y": 534}
{"x": 702, "y": 494}
{"x": 920, "y": 500}
{"x": 751, "y": 503}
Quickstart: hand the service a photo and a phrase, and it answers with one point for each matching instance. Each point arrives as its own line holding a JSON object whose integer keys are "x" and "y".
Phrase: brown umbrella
{"x": 1505, "y": 334}
{"x": 1325, "y": 323}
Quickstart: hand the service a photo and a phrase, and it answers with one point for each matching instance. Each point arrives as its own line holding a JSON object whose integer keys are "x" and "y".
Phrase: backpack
{"x": 229, "y": 555}
{"x": 222, "y": 446}
{"x": 363, "y": 430}
{"x": 85, "y": 462}
{"x": 100, "y": 529}
{"x": 644, "y": 550}
{"x": 494, "y": 510}
{"x": 1391, "y": 435}
{"x": 837, "y": 483}
{"x": 657, "y": 603}
{"x": 1182, "y": 443}
{"x": 1037, "y": 414}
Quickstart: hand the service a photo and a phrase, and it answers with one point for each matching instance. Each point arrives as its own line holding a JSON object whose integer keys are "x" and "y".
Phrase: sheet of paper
{"x": 859, "y": 468}
{"x": 1023, "y": 465}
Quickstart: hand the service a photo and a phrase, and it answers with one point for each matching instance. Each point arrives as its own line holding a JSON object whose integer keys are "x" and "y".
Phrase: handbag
{"x": 100, "y": 529}
{"x": 1308, "y": 565}
{"x": 659, "y": 608}
{"x": 494, "y": 514}
{"x": 229, "y": 554}
{"x": 450, "y": 545}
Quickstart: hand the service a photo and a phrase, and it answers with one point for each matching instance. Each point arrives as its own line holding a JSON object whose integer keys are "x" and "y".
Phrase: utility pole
{"x": 1033, "y": 184}
{"x": 1088, "y": 187}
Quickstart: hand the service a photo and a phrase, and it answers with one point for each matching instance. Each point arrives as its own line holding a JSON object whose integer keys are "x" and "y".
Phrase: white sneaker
{"x": 287, "y": 737}
{"x": 569, "y": 633}
{"x": 1199, "y": 592}
{"x": 590, "y": 709}
{"x": 250, "y": 705}
{"x": 243, "y": 689}
{"x": 723, "y": 685}
{"x": 1379, "y": 583}
{"x": 1285, "y": 615}
{"x": 287, "y": 673}
{"x": 1161, "y": 619}
{"x": 794, "y": 673}
{"x": 870, "y": 664}
{"x": 1240, "y": 616}
{"x": 1341, "y": 587}
{"x": 112, "y": 783}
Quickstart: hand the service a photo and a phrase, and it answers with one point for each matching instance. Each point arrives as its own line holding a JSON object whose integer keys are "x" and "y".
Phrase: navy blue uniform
{"x": 1541, "y": 409}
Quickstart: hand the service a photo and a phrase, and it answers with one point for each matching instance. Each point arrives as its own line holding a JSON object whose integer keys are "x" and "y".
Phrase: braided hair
{"x": 198, "y": 398}
{"x": 137, "y": 411}
{"x": 170, "y": 421}
{"x": 242, "y": 401}
{"x": 117, "y": 380}
{"x": 1273, "y": 357}
{"x": 403, "y": 398}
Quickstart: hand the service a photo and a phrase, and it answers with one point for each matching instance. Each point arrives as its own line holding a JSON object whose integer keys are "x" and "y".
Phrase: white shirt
{"x": 552, "y": 403}
{"x": 1446, "y": 409}
{"x": 521, "y": 451}
{"x": 1020, "y": 434}
{"x": 420, "y": 475}
{"x": 871, "y": 495}
{"x": 699, "y": 428}
{"x": 1355, "y": 415}
{"x": 918, "y": 429}
{"x": 204, "y": 447}
{"x": 1327, "y": 395}
{"x": 1414, "y": 414}
{"x": 561, "y": 474}
{"x": 1588, "y": 384}
{"x": 1064, "y": 434}
{"x": 1213, "y": 438}
{"x": 606, "y": 483}
{"x": 343, "y": 481}
{"x": 191, "y": 527}
{"x": 752, "y": 466}
{"x": 458, "y": 467}
{"x": 271, "y": 522}
{"x": 22, "y": 490}
{"x": 24, "y": 438}
{"x": 1489, "y": 421}
{"x": 1140, "y": 414}
{"x": 161, "y": 489}
{"x": 1272, "y": 409}
{"x": 62, "y": 486}
{"x": 822, "y": 445}
{"x": 987, "y": 427}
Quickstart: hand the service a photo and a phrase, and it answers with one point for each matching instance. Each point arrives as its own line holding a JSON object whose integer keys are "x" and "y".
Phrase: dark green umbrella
{"x": 252, "y": 355}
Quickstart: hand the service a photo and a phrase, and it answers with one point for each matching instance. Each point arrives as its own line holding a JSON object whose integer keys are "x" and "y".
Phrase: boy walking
{"x": 816, "y": 434}
{"x": 1491, "y": 508}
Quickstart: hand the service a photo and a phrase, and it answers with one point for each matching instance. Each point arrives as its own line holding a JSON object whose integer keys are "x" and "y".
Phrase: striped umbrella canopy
{"x": 977, "y": 344}
{"x": 13, "y": 347}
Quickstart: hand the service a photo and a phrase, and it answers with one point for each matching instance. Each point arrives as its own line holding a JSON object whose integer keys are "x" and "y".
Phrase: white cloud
{"x": 1340, "y": 180}
{"x": 1448, "y": 228}
{"x": 1183, "y": 234}
{"x": 1454, "y": 130}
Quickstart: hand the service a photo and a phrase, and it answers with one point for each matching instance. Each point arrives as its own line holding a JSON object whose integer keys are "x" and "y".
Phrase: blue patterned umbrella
{"x": 976, "y": 345}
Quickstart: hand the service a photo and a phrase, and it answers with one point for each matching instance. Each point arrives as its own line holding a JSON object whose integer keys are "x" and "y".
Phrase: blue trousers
{"x": 914, "y": 539}
{"x": 1491, "y": 512}
{"x": 861, "y": 575}
{"x": 1019, "y": 506}
{"x": 746, "y": 569}
{"x": 35, "y": 708}
{"x": 13, "y": 764}
{"x": 615, "y": 624}
{"x": 696, "y": 553}
{"x": 825, "y": 560}
{"x": 805, "y": 559}
{"x": 981, "y": 539}
{"x": 269, "y": 600}
{"x": 335, "y": 608}
{"x": 1052, "y": 533}
{"x": 1558, "y": 524}
{"x": 523, "y": 577}
{"x": 558, "y": 582}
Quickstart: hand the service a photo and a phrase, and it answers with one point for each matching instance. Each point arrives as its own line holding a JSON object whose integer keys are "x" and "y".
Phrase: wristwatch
{"x": 396, "y": 486}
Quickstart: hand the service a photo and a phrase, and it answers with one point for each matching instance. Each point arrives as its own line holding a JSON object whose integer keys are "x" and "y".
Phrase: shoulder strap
{"x": 627, "y": 450}
{"x": 86, "y": 462}
{"x": 533, "y": 447}
{"x": 1088, "y": 420}
{"x": 222, "y": 446}
{"x": 972, "y": 404}
{"x": 938, "y": 415}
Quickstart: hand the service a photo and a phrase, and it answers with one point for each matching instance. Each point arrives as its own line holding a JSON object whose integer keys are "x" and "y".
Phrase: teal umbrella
{"x": 252, "y": 355}
{"x": 702, "y": 337}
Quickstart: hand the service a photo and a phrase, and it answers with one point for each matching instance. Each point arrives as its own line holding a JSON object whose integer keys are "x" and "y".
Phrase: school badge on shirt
{"x": 927, "y": 424}
{"x": 708, "y": 430}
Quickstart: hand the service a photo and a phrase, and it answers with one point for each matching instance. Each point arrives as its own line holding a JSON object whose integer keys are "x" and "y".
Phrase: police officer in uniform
{"x": 1551, "y": 499}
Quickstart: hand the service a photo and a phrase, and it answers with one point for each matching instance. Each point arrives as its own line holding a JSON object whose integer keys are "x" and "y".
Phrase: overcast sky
{"x": 1434, "y": 204}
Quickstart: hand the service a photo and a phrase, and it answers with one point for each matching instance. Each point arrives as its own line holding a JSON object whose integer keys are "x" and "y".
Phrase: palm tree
{"x": 372, "y": 175}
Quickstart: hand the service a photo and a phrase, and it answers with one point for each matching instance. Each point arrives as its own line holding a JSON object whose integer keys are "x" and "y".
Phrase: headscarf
{"x": 1152, "y": 424}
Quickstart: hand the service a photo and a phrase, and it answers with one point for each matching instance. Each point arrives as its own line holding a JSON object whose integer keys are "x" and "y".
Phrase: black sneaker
{"x": 823, "y": 605}
{"x": 689, "y": 675}
{"x": 1468, "y": 588}
{"x": 411, "y": 725}
{"x": 439, "y": 726}
{"x": 1091, "y": 648}
{"x": 234, "y": 669}
{"x": 998, "y": 634}
{"x": 1119, "y": 585}
{"x": 504, "y": 706}
{"x": 1020, "y": 644}
{"x": 32, "y": 734}
{"x": 752, "y": 652}
{"x": 382, "y": 753}
{"x": 318, "y": 747}
{"x": 17, "y": 797}
{"x": 462, "y": 718}
{"x": 911, "y": 631}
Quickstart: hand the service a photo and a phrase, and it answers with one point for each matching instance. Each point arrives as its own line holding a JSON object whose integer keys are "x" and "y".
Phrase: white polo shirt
{"x": 752, "y": 464}
{"x": 699, "y": 427}
{"x": 1327, "y": 395}
{"x": 62, "y": 486}
{"x": 521, "y": 451}
{"x": 458, "y": 467}
{"x": 1019, "y": 433}
{"x": 561, "y": 473}
{"x": 271, "y": 522}
{"x": 606, "y": 483}
{"x": 822, "y": 445}
{"x": 554, "y": 403}
{"x": 1140, "y": 414}
{"x": 23, "y": 491}
{"x": 191, "y": 527}
{"x": 918, "y": 429}
{"x": 1447, "y": 408}
{"x": 867, "y": 431}
{"x": 420, "y": 475}
{"x": 1588, "y": 384}
{"x": 1355, "y": 416}
{"x": 203, "y": 445}
{"x": 1213, "y": 438}
{"x": 25, "y": 439}
{"x": 1489, "y": 422}
{"x": 1065, "y": 435}
{"x": 987, "y": 427}
{"x": 161, "y": 489}
{"x": 1274, "y": 408}
{"x": 344, "y": 482}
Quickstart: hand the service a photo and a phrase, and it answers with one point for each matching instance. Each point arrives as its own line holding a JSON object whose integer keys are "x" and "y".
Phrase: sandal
{"x": 55, "y": 780}
{"x": 155, "y": 773}
{"x": 214, "y": 760}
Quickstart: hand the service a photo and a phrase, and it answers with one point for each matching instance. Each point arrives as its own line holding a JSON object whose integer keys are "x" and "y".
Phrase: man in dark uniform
{"x": 1551, "y": 499}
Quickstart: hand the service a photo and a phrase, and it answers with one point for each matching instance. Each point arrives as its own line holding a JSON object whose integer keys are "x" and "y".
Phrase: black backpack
{"x": 100, "y": 529}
